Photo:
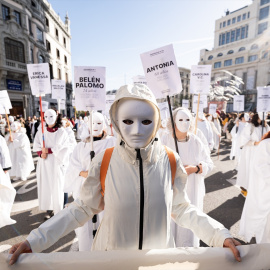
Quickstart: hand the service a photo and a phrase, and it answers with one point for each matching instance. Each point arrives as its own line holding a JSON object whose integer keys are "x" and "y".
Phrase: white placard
{"x": 58, "y": 89}
{"x": 203, "y": 103}
{"x": 109, "y": 102}
{"x": 185, "y": 103}
{"x": 45, "y": 105}
{"x": 90, "y": 88}
{"x": 161, "y": 71}
{"x": 139, "y": 79}
{"x": 164, "y": 110}
{"x": 5, "y": 103}
{"x": 62, "y": 104}
{"x": 263, "y": 99}
{"x": 39, "y": 78}
{"x": 238, "y": 103}
{"x": 212, "y": 108}
{"x": 73, "y": 102}
{"x": 200, "y": 78}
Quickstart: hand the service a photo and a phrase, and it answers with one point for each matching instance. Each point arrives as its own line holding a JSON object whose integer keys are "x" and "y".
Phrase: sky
{"x": 113, "y": 33}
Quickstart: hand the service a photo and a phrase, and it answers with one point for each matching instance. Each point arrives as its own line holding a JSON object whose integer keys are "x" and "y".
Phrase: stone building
{"x": 32, "y": 32}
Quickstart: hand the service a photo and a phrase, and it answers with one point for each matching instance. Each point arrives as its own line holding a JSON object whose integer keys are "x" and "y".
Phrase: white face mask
{"x": 201, "y": 115}
{"x": 260, "y": 114}
{"x": 246, "y": 116}
{"x": 98, "y": 124}
{"x": 210, "y": 118}
{"x": 50, "y": 117}
{"x": 64, "y": 122}
{"x": 14, "y": 127}
{"x": 85, "y": 119}
{"x": 11, "y": 119}
{"x": 215, "y": 115}
{"x": 182, "y": 121}
{"x": 137, "y": 120}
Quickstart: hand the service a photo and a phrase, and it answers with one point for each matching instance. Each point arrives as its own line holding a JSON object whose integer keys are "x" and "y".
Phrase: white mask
{"x": 210, "y": 118}
{"x": 50, "y": 117}
{"x": 215, "y": 115}
{"x": 182, "y": 121}
{"x": 85, "y": 119}
{"x": 11, "y": 119}
{"x": 246, "y": 116}
{"x": 201, "y": 115}
{"x": 98, "y": 124}
{"x": 64, "y": 122}
{"x": 137, "y": 121}
{"x": 14, "y": 126}
{"x": 260, "y": 114}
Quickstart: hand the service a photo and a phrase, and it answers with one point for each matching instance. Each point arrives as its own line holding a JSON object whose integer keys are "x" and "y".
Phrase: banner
{"x": 212, "y": 108}
{"x": 221, "y": 105}
{"x": 45, "y": 105}
{"x": 58, "y": 89}
{"x": 263, "y": 99}
{"x": 63, "y": 104}
{"x": 5, "y": 103}
{"x": 185, "y": 103}
{"x": 90, "y": 88}
{"x": 164, "y": 110}
{"x": 139, "y": 80}
{"x": 203, "y": 103}
{"x": 200, "y": 78}
{"x": 39, "y": 78}
{"x": 239, "y": 103}
{"x": 109, "y": 102}
{"x": 161, "y": 71}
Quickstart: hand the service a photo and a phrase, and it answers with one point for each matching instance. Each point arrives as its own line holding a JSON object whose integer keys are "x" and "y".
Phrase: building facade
{"x": 31, "y": 32}
{"x": 241, "y": 46}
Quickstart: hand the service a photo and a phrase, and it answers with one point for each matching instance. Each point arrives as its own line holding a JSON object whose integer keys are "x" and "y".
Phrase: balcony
{"x": 16, "y": 65}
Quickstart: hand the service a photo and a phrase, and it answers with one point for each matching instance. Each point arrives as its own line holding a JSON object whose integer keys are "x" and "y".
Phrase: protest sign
{"x": 202, "y": 104}
{"x": 164, "y": 110}
{"x": 200, "y": 77}
{"x": 238, "y": 103}
{"x": 58, "y": 89}
{"x": 45, "y": 105}
{"x": 62, "y": 104}
{"x": 109, "y": 102}
{"x": 39, "y": 78}
{"x": 139, "y": 80}
{"x": 185, "y": 103}
{"x": 212, "y": 108}
{"x": 90, "y": 87}
{"x": 161, "y": 71}
{"x": 263, "y": 99}
{"x": 5, "y": 103}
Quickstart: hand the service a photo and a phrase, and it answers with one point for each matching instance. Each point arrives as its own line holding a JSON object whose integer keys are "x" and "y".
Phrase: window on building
{"x": 33, "y": 4}
{"x": 248, "y": 15}
{"x": 41, "y": 59}
{"x": 59, "y": 74}
{"x": 220, "y": 39}
{"x": 239, "y": 18}
{"x": 263, "y": 2}
{"x": 17, "y": 17}
{"x": 64, "y": 41}
{"x": 14, "y": 50}
{"x": 66, "y": 77}
{"x": 47, "y": 22}
{"x": 220, "y": 25}
{"x": 32, "y": 56}
{"x": 65, "y": 60}
{"x": 5, "y": 13}
{"x": 262, "y": 27}
{"x": 228, "y": 36}
{"x": 244, "y": 16}
{"x": 232, "y": 35}
{"x": 264, "y": 12}
{"x": 229, "y": 22}
{"x": 228, "y": 62}
{"x": 230, "y": 52}
{"x": 243, "y": 32}
{"x": 30, "y": 27}
{"x": 242, "y": 49}
{"x": 210, "y": 57}
{"x": 254, "y": 47}
{"x": 56, "y": 33}
{"x": 252, "y": 58}
{"x": 48, "y": 46}
{"x": 246, "y": 31}
{"x": 233, "y": 20}
{"x": 239, "y": 60}
{"x": 264, "y": 54}
{"x": 57, "y": 53}
{"x": 238, "y": 32}
{"x": 51, "y": 71}
{"x": 217, "y": 65}
{"x": 224, "y": 24}
{"x": 223, "y": 39}
{"x": 220, "y": 54}
{"x": 40, "y": 35}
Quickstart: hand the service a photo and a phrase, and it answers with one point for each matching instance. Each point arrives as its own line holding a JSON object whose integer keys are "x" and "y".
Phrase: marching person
{"x": 140, "y": 184}
{"x": 206, "y": 129}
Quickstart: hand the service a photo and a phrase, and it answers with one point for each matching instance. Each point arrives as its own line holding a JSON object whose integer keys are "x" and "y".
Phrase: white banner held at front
{"x": 58, "y": 89}
{"x": 200, "y": 77}
{"x": 238, "y": 103}
{"x": 212, "y": 108}
{"x": 263, "y": 99}
{"x": 139, "y": 80}
{"x": 90, "y": 87}
{"x": 185, "y": 103}
{"x": 45, "y": 105}
{"x": 39, "y": 78}
{"x": 202, "y": 105}
{"x": 164, "y": 110}
{"x": 161, "y": 71}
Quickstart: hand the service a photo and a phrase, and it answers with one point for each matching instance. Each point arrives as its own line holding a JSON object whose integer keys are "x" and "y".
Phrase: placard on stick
{"x": 263, "y": 99}
{"x": 212, "y": 108}
{"x": 45, "y": 105}
{"x": 200, "y": 78}
{"x": 202, "y": 105}
{"x": 109, "y": 101}
{"x": 238, "y": 103}
{"x": 39, "y": 78}
{"x": 161, "y": 71}
{"x": 58, "y": 89}
{"x": 185, "y": 103}
{"x": 90, "y": 87}
{"x": 5, "y": 103}
{"x": 139, "y": 79}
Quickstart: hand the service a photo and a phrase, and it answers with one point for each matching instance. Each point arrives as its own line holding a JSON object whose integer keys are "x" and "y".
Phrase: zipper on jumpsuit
{"x": 141, "y": 198}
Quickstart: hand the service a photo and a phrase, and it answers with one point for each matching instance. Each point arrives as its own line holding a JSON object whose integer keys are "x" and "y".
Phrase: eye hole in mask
{"x": 128, "y": 122}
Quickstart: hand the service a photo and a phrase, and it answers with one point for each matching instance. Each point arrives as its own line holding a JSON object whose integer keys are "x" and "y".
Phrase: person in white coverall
{"x": 77, "y": 172}
{"x": 139, "y": 198}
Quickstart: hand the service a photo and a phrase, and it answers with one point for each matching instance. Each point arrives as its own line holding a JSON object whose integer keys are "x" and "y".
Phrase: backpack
{"x": 106, "y": 161}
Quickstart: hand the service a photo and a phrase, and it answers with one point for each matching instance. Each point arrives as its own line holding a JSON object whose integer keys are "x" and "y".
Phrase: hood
{"x": 139, "y": 92}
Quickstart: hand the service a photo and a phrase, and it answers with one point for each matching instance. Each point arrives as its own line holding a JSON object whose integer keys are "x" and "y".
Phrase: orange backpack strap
{"x": 104, "y": 168}
{"x": 172, "y": 162}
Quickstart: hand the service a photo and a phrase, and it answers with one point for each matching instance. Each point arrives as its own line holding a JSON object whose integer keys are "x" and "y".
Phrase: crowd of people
{"x": 153, "y": 196}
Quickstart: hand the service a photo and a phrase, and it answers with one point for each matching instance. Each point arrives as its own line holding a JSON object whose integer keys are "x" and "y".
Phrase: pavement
{"x": 223, "y": 202}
